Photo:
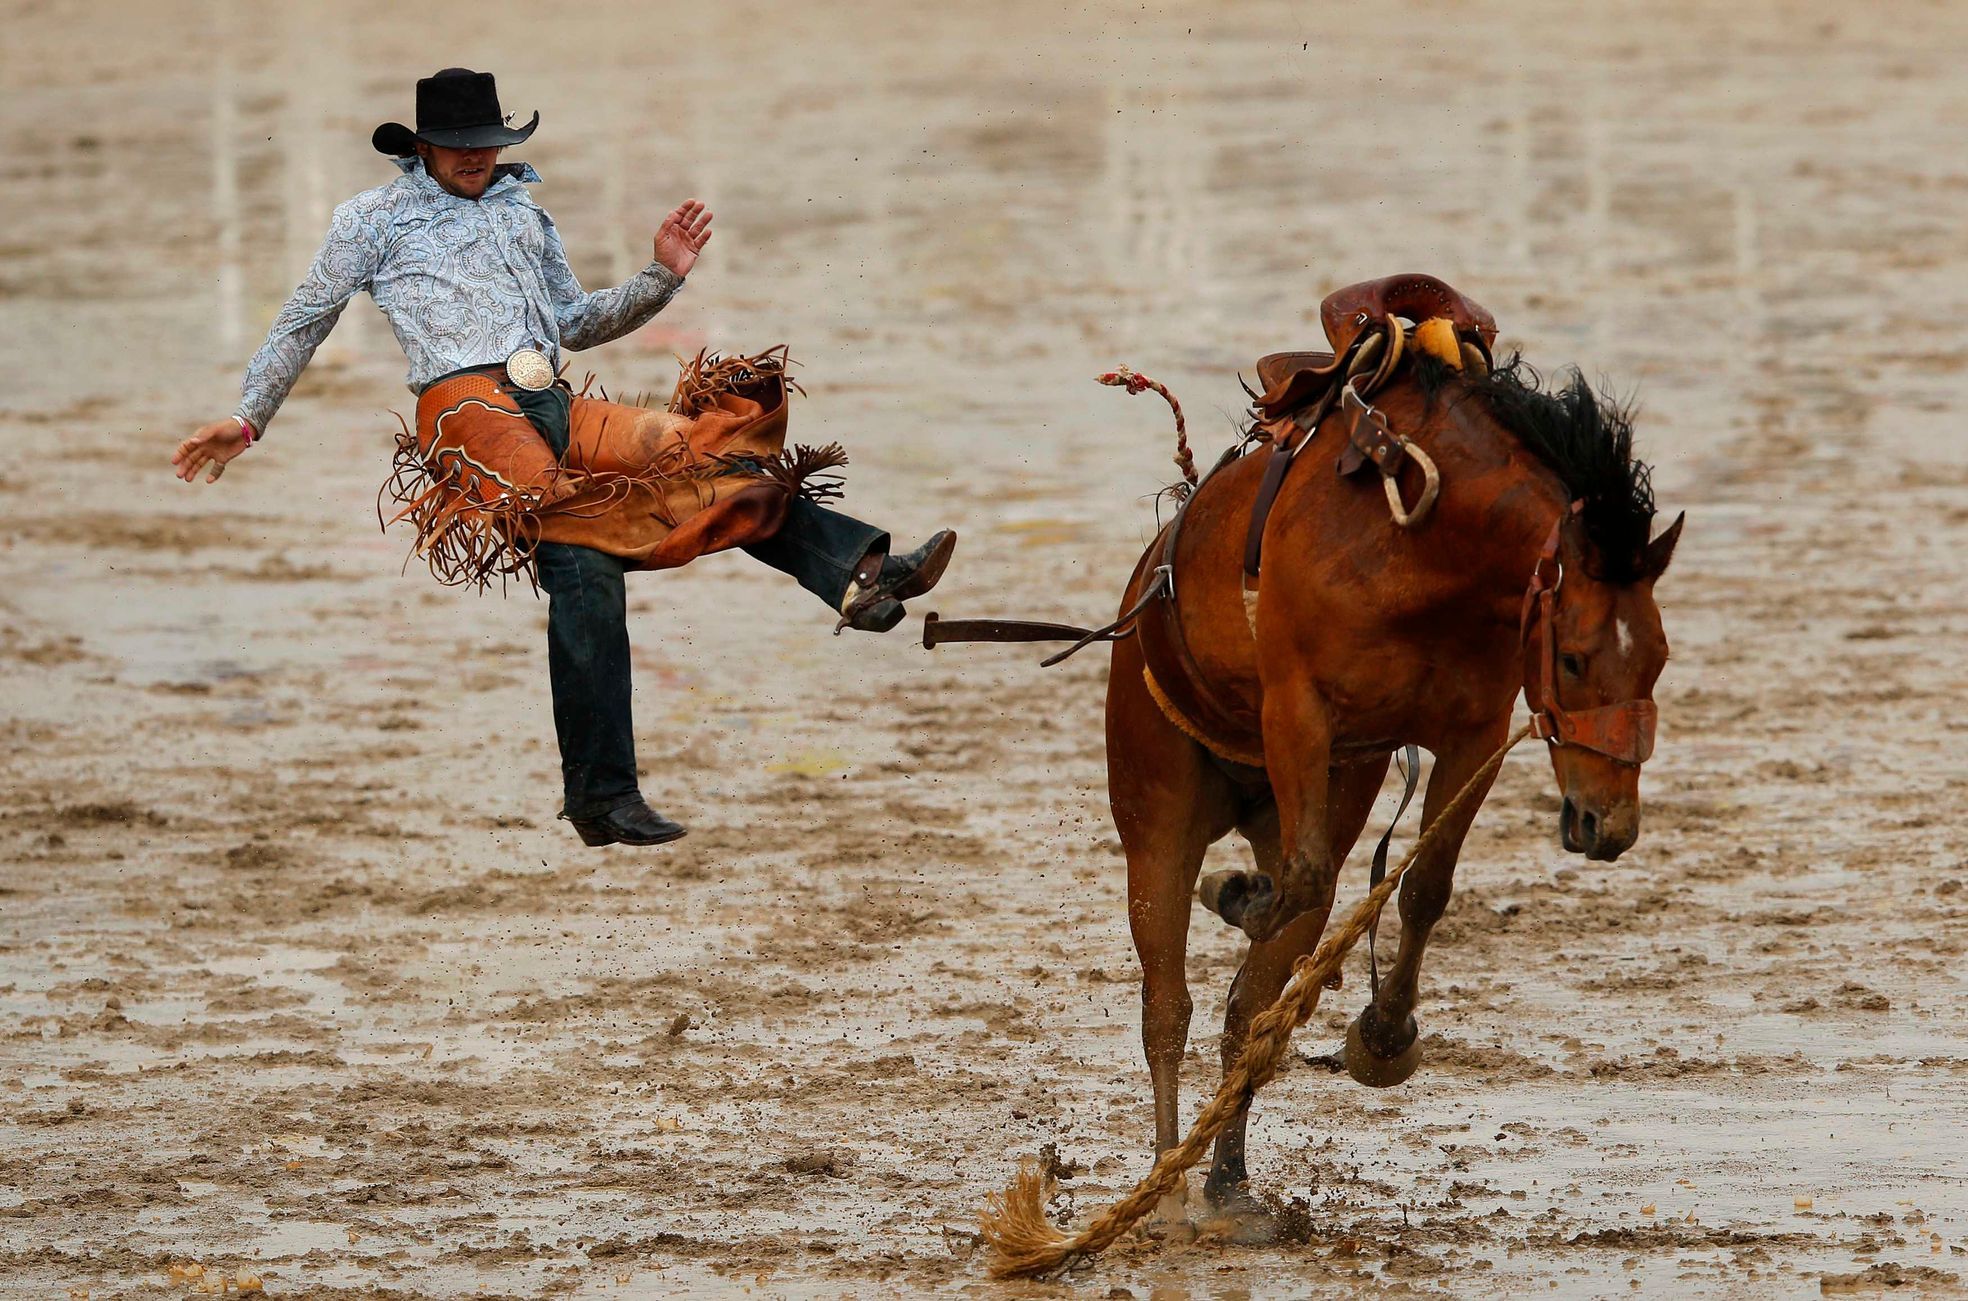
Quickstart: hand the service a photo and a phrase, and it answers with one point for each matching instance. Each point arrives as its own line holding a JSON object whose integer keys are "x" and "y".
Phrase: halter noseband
{"x": 1624, "y": 732}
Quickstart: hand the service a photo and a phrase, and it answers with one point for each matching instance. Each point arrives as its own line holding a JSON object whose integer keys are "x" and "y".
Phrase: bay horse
{"x": 1274, "y": 713}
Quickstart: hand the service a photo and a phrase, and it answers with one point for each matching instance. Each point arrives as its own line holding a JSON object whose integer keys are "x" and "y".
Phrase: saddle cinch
{"x": 1364, "y": 326}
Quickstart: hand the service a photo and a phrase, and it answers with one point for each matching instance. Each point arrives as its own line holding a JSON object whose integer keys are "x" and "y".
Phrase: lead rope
{"x": 1014, "y": 1226}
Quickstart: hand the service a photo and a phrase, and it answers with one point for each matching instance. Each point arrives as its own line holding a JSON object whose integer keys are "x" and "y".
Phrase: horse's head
{"x": 1593, "y": 648}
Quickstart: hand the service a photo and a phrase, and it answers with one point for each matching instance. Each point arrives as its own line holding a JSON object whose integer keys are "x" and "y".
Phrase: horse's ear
{"x": 1661, "y": 550}
{"x": 1574, "y": 547}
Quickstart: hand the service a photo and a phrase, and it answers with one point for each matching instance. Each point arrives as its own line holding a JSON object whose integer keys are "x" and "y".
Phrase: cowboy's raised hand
{"x": 682, "y": 236}
{"x": 213, "y": 445}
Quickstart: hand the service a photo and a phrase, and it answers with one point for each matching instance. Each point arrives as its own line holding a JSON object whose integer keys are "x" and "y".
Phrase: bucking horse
{"x": 1408, "y": 535}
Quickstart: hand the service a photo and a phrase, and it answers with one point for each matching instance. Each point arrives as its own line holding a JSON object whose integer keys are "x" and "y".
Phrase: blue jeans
{"x": 588, "y": 665}
{"x": 588, "y": 642}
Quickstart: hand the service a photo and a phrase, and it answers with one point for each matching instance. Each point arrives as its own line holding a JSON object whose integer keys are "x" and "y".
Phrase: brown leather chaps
{"x": 483, "y": 486}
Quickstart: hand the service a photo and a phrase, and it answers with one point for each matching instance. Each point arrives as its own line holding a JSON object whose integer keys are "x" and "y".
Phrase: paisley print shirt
{"x": 464, "y": 282}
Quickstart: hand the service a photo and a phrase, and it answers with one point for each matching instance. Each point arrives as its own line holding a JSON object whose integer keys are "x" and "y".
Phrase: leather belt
{"x": 527, "y": 368}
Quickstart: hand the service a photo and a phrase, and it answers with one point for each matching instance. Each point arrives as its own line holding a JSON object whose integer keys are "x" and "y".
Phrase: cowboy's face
{"x": 463, "y": 172}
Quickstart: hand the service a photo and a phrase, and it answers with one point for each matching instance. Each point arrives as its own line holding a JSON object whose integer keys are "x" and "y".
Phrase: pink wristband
{"x": 246, "y": 429}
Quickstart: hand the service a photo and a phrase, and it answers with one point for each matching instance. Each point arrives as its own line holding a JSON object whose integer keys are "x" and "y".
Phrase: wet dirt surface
{"x": 300, "y": 977}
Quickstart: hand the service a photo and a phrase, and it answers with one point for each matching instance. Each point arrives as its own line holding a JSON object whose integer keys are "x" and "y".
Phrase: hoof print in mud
{"x": 1371, "y": 1059}
{"x": 1237, "y": 897}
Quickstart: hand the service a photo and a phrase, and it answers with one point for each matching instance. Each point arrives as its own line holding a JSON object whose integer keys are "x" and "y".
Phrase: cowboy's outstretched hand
{"x": 213, "y": 445}
{"x": 682, "y": 236}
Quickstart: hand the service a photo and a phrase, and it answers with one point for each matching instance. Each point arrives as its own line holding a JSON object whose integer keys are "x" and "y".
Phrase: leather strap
{"x": 1409, "y": 759}
{"x": 1292, "y": 432}
{"x": 1203, "y": 699}
{"x": 1275, "y": 470}
{"x": 1204, "y": 707}
{"x": 1622, "y": 732}
{"x": 938, "y": 632}
{"x": 1370, "y": 439}
{"x": 1162, "y": 584}
{"x": 496, "y": 369}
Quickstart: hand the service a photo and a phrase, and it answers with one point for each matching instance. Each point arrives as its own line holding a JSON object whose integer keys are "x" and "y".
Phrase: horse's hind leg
{"x": 1170, "y": 802}
{"x": 1297, "y": 760}
{"x": 1268, "y": 966}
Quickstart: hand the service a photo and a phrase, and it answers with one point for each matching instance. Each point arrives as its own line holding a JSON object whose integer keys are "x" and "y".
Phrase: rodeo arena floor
{"x": 303, "y": 984}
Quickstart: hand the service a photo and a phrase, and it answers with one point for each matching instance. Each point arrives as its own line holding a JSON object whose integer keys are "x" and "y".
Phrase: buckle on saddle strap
{"x": 1370, "y": 438}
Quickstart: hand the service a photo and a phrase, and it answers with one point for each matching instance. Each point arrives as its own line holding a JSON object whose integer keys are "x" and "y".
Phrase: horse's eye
{"x": 1574, "y": 666}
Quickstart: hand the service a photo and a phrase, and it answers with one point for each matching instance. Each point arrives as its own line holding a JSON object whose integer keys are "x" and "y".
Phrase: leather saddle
{"x": 1291, "y": 380}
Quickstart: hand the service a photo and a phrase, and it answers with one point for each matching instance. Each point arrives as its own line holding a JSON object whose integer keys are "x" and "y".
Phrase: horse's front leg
{"x": 1383, "y": 1047}
{"x": 1297, "y": 758}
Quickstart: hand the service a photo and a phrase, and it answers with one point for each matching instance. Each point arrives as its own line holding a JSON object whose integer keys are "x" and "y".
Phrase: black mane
{"x": 1587, "y": 441}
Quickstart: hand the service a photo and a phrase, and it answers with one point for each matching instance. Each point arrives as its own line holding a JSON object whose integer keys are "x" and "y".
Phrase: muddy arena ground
{"x": 300, "y": 978}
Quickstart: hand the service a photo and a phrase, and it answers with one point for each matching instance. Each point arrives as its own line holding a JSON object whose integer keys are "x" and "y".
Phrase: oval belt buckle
{"x": 529, "y": 369}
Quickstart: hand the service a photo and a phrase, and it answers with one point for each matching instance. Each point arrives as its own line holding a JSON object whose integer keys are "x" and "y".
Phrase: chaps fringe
{"x": 709, "y": 374}
{"x": 465, "y": 542}
{"x": 808, "y": 472}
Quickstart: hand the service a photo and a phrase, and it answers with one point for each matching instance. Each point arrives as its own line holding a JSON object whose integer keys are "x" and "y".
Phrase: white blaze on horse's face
{"x": 1625, "y": 637}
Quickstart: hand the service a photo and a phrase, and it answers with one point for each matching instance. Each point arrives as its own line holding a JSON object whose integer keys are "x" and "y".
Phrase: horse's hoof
{"x": 1373, "y": 1070}
{"x": 1239, "y": 898}
{"x": 1236, "y": 1216}
{"x": 1170, "y": 1222}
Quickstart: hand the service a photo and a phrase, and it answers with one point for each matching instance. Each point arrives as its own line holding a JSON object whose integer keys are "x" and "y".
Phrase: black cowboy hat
{"x": 456, "y": 109}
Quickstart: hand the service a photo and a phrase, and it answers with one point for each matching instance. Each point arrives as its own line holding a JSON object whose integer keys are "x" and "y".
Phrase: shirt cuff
{"x": 257, "y": 412}
{"x": 667, "y": 281}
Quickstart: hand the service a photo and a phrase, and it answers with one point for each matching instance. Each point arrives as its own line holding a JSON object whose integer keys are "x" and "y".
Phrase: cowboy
{"x": 474, "y": 280}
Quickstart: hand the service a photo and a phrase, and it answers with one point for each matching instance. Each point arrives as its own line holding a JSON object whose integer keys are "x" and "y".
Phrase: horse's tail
{"x": 1185, "y": 461}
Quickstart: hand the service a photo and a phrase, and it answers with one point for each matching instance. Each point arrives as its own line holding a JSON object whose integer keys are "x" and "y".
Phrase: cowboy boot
{"x": 632, "y": 824}
{"x": 908, "y": 576}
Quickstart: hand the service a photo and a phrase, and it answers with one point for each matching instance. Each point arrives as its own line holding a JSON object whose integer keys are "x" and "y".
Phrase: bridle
{"x": 1624, "y": 732}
